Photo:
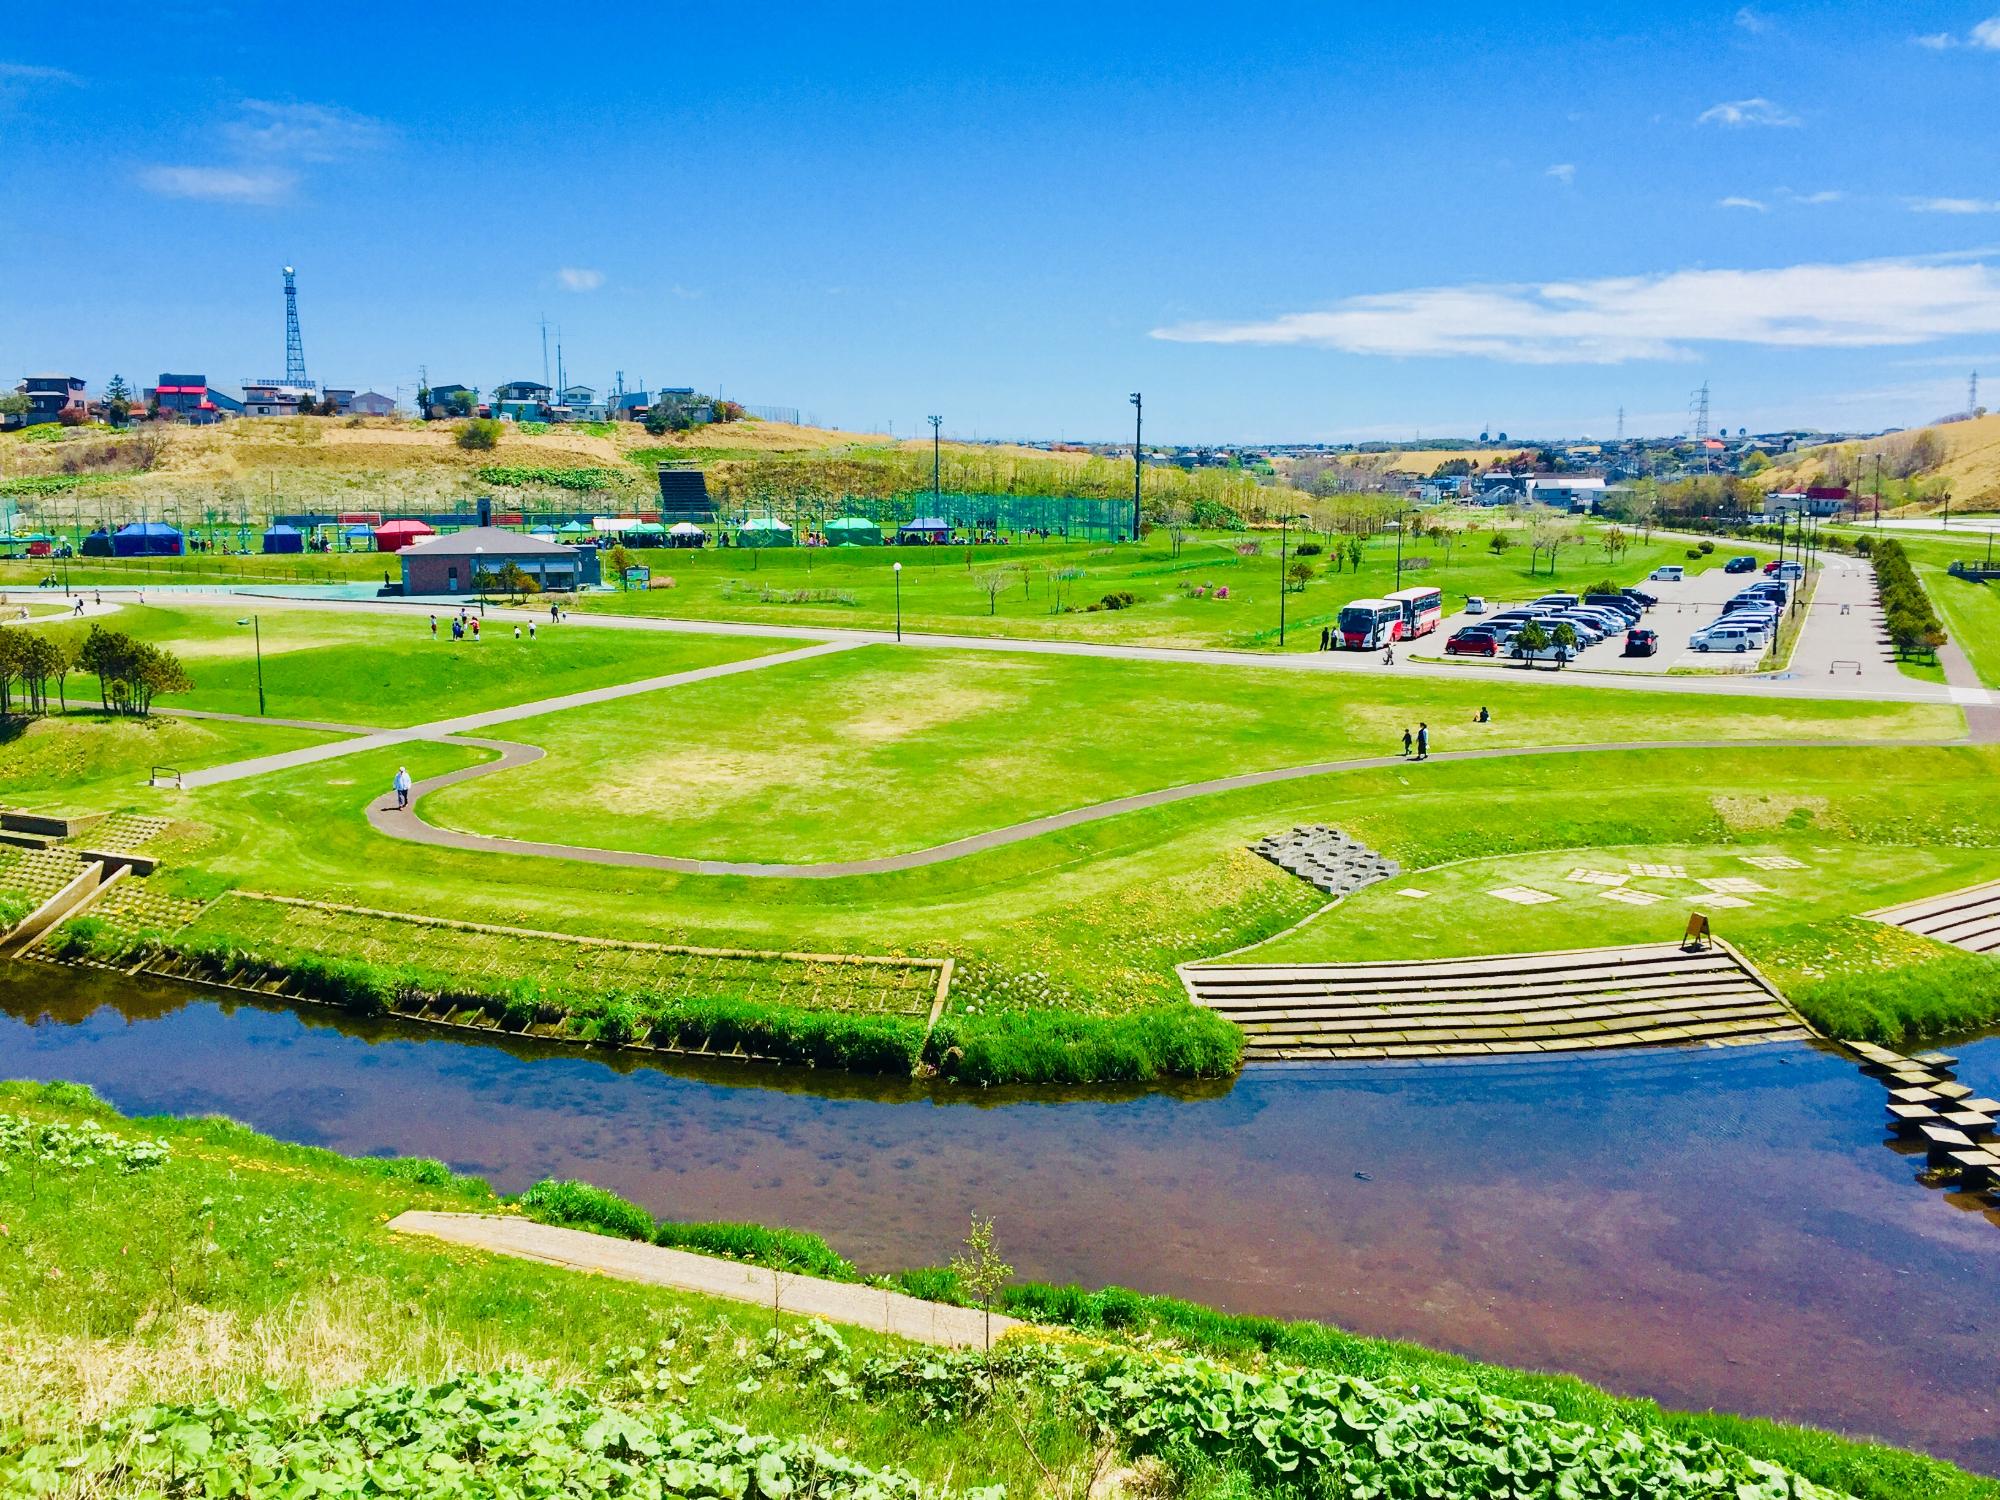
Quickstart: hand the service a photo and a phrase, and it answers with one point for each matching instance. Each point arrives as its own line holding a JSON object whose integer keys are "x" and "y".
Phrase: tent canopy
{"x": 574, "y": 528}
{"x": 283, "y": 538}
{"x": 146, "y": 539}
{"x": 853, "y": 531}
{"x": 685, "y": 528}
{"x": 764, "y": 531}
{"x": 393, "y": 536}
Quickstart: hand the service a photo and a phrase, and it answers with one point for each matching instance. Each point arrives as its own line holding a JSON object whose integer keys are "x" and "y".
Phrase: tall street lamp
{"x": 1138, "y": 434}
{"x": 257, "y": 635}
{"x": 897, "y": 569}
{"x": 1284, "y": 537}
{"x": 937, "y": 491}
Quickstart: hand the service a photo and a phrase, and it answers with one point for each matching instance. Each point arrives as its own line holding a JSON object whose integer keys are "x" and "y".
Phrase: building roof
{"x": 495, "y": 541}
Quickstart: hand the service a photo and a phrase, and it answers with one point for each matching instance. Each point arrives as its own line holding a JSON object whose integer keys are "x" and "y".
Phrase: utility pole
{"x": 545, "y": 349}
{"x": 1878, "y": 490}
{"x": 1138, "y": 434}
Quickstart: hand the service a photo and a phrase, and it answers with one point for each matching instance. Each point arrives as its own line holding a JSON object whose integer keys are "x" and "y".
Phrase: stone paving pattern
{"x": 1335, "y": 862}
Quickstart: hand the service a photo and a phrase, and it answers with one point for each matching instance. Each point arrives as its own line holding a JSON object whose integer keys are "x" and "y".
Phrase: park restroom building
{"x": 452, "y": 564}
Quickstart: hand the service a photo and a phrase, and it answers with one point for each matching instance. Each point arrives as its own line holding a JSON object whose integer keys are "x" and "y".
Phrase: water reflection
{"x": 1712, "y": 1228}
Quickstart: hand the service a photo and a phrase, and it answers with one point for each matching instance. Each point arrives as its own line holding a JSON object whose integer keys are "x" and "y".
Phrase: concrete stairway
{"x": 1651, "y": 995}
{"x": 1968, "y": 919}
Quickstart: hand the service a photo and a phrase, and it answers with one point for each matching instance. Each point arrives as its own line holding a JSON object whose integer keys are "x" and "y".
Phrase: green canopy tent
{"x": 574, "y": 528}
{"x": 764, "y": 531}
{"x": 853, "y": 531}
{"x": 645, "y": 534}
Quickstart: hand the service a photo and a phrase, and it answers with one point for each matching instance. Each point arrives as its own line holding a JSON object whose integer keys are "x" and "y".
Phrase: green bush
{"x": 781, "y": 1249}
{"x": 1914, "y": 626}
{"x": 1138, "y": 1046}
{"x": 579, "y": 1205}
{"x": 562, "y": 479}
{"x": 1901, "y": 1006}
{"x": 479, "y": 434}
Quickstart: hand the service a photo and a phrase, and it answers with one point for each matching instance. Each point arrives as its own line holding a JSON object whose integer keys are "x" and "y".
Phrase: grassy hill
{"x": 1966, "y": 466}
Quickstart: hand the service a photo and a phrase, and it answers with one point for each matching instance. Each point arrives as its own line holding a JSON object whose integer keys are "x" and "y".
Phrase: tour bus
{"x": 1422, "y": 609}
{"x": 1370, "y": 624}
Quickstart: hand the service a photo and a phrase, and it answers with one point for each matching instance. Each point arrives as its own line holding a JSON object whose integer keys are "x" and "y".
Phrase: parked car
{"x": 1640, "y": 597}
{"x": 1724, "y": 637}
{"x": 1610, "y": 621}
{"x": 1475, "y": 604}
{"x": 1629, "y": 608}
{"x": 1668, "y": 573}
{"x": 1743, "y": 564}
{"x": 1588, "y": 632}
{"x": 1557, "y": 601}
{"x": 1473, "y": 640}
{"x": 1560, "y": 655}
{"x": 1791, "y": 572}
{"x": 1771, "y": 566}
{"x": 1642, "y": 642}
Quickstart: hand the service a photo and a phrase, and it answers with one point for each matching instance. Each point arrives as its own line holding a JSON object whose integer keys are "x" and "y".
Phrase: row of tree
{"x": 1914, "y": 627}
{"x": 29, "y": 661}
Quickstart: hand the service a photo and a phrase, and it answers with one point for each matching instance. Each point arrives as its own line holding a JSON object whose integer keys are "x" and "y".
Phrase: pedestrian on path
{"x": 402, "y": 788}
{"x": 1388, "y": 656}
{"x": 1325, "y": 633}
{"x": 1423, "y": 742}
{"x": 1406, "y": 742}
{"x": 434, "y": 625}
{"x": 555, "y": 612}
{"x": 79, "y": 607}
{"x": 531, "y": 630}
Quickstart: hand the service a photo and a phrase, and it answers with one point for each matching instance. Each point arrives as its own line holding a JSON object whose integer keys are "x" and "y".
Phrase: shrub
{"x": 1705, "y": 547}
{"x": 1118, "y": 599}
{"x": 1213, "y": 515}
{"x": 1307, "y": 549}
{"x": 479, "y": 435}
{"x": 1913, "y": 624}
{"x": 781, "y": 1249}
{"x": 1139, "y": 1046}
{"x": 578, "y": 1205}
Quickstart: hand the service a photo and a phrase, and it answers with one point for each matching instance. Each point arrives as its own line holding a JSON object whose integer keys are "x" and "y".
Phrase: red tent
{"x": 393, "y": 536}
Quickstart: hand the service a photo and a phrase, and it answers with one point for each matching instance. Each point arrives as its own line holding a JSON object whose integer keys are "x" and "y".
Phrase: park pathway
{"x": 628, "y": 1260}
{"x": 386, "y": 818}
{"x": 445, "y": 729}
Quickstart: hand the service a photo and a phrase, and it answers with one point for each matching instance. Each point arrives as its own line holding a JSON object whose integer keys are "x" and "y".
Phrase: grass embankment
{"x": 192, "y": 1280}
{"x": 89, "y": 761}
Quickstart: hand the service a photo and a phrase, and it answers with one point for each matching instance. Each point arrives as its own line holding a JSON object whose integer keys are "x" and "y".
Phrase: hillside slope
{"x": 1969, "y": 468}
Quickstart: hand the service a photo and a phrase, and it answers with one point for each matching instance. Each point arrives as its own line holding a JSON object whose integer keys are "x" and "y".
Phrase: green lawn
{"x": 943, "y": 588}
{"x": 877, "y": 751}
{"x": 368, "y": 668}
{"x": 1970, "y": 611}
{"x": 87, "y": 761}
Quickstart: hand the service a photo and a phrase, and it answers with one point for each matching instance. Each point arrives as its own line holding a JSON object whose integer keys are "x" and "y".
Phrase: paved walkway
{"x": 628, "y": 1260}
{"x": 444, "y": 729}
{"x": 1903, "y": 690}
{"x": 386, "y": 818}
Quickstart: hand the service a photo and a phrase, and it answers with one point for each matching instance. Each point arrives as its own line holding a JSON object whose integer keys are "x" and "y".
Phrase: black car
{"x": 1626, "y": 609}
{"x": 1642, "y": 643}
{"x": 1640, "y": 597}
{"x": 1740, "y": 565}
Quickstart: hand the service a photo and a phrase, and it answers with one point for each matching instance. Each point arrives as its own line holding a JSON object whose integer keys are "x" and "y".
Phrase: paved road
{"x": 628, "y": 1260}
{"x": 386, "y": 818}
{"x": 1904, "y": 690}
{"x": 444, "y": 729}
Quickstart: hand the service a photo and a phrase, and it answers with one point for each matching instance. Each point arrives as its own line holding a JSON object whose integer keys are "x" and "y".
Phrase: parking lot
{"x": 1684, "y": 608}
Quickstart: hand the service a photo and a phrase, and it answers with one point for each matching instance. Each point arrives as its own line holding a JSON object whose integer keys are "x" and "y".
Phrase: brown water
{"x": 1708, "y": 1228}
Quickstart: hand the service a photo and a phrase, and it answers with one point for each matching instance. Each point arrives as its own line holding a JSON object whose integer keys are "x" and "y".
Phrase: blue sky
{"x": 1277, "y": 222}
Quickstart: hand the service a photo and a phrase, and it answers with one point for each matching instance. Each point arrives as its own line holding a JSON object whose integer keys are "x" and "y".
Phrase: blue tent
{"x": 97, "y": 544}
{"x": 146, "y": 539}
{"x": 284, "y": 539}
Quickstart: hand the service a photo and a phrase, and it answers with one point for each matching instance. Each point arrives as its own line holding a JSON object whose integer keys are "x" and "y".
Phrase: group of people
{"x": 1417, "y": 742}
{"x": 465, "y": 623}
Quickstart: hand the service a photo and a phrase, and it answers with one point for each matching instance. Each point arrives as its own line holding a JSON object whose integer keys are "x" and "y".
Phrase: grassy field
{"x": 387, "y": 670}
{"x": 199, "y": 1266}
{"x": 86, "y": 761}
{"x": 935, "y": 746}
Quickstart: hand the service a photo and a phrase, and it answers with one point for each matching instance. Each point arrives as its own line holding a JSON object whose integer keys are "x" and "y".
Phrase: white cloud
{"x": 1937, "y": 41}
{"x": 303, "y": 132}
{"x": 1824, "y": 196}
{"x": 1986, "y": 35}
{"x": 1563, "y": 172}
{"x": 12, "y": 72}
{"x": 1735, "y": 202}
{"x": 579, "y": 279}
{"x": 1737, "y": 113}
{"x": 1753, "y": 21}
{"x": 219, "y": 184}
{"x": 1863, "y": 304}
{"x": 1952, "y": 205}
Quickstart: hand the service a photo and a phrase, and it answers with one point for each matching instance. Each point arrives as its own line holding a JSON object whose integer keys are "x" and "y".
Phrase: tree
{"x": 13, "y": 404}
{"x": 118, "y": 401}
{"x": 1614, "y": 542}
{"x": 1563, "y": 637}
{"x": 1533, "y": 637}
{"x": 980, "y": 1270}
{"x": 155, "y": 672}
{"x": 516, "y": 579}
{"x": 479, "y": 435}
{"x": 1298, "y": 575}
{"x": 1355, "y": 548}
{"x": 460, "y": 403}
{"x": 1499, "y": 543}
{"x": 618, "y": 559}
{"x": 993, "y": 583}
{"x": 1174, "y": 517}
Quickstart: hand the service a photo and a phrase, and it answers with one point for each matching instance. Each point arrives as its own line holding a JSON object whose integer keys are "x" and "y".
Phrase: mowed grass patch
{"x": 386, "y": 669}
{"x": 880, "y": 751}
{"x": 87, "y": 761}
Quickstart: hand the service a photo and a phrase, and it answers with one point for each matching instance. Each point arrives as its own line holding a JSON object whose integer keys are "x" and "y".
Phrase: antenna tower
{"x": 1698, "y": 400}
{"x": 295, "y": 349}
{"x": 545, "y": 351}
{"x": 1972, "y": 393}
{"x": 1621, "y": 424}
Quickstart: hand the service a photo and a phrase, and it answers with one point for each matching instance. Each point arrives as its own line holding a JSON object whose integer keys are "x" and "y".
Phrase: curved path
{"x": 404, "y": 823}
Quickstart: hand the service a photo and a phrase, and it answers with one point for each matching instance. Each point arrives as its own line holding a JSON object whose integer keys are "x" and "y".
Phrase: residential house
{"x": 1814, "y": 500}
{"x": 522, "y": 401}
{"x": 188, "y": 398}
{"x": 579, "y": 403}
{"x": 50, "y": 396}
{"x": 372, "y": 404}
{"x": 445, "y": 401}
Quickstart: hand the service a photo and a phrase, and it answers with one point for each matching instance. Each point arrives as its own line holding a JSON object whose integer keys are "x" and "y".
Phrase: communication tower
{"x": 295, "y": 349}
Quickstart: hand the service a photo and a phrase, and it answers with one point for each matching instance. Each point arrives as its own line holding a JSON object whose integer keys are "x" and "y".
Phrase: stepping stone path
{"x": 1932, "y": 1112}
{"x": 1327, "y": 858}
{"x": 1649, "y": 995}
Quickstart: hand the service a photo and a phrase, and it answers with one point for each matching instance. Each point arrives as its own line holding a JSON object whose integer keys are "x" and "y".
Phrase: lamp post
{"x": 897, "y": 569}
{"x": 937, "y": 490}
{"x": 1284, "y": 537}
{"x": 1401, "y": 519}
{"x": 257, "y": 635}
{"x": 1138, "y": 433}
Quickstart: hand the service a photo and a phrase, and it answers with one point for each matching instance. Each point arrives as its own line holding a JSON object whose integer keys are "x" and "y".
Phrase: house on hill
{"x": 522, "y": 401}
{"x": 454, "y": 564}
{"x": 372, "y": 404}
{"x": 50, "y": 396}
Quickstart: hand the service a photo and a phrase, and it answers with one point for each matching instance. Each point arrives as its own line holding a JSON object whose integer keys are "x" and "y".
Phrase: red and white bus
{"x": 1370, "y": 624}
{"x": 1422, "y": 610}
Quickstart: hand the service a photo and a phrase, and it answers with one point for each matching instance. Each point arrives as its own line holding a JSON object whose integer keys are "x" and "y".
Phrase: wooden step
{"x": 1472, "y": 1001}
{"x": 1576, "y": 1010}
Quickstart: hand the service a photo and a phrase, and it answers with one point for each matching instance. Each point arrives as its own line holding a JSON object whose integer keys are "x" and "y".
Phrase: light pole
{"x": 1401, "y": 518}
{"x": 1284, "y": 537}
{"x": 937, "y": 491}
{"x": 1138, "y": 433}
{"x": 257, "y": 635}
{"x": 897, "y": 569}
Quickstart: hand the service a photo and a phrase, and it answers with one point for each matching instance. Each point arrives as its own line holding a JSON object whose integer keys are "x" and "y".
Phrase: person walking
{"x": 1423, "y": 742}
{"x": 555, "y": 612}
{"x": 517, "y": 632}
{"x": 1324, "y": 633}
{"x": 1388, "y": 656}
{"x": 78, "y": 611}
{"x": 434, "y": 625}
{"x": 1406, "y": 741}
{"x": 531, "y": 630}
{"x": 475, "y": 627}
{"x": 402, "y": 787}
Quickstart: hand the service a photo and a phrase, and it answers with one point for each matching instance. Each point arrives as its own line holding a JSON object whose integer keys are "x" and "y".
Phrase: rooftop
{"x": 495, "y": 540}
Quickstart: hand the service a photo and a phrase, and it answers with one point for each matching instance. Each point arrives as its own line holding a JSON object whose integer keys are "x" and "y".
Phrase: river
{"x": 1709, "y": 1228}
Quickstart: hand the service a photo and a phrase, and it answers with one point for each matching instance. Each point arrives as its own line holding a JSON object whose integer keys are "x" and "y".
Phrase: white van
{"x": 1725, "y": 637}
{"x": 1669, "y": 573}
